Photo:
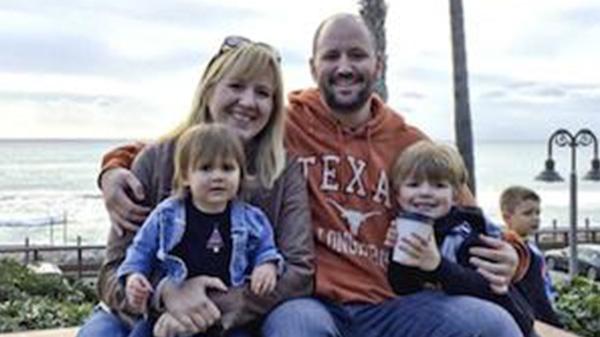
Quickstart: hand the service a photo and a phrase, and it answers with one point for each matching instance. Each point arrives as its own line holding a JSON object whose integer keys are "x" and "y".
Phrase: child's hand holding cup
{"x": 406, "y": 225}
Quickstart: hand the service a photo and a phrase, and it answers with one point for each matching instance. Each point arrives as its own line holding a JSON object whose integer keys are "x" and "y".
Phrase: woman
{"x": 241, "y": 87}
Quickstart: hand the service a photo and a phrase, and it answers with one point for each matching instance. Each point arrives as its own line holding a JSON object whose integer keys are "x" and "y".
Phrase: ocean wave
{"x": 33, "y": 222}
{"x": 91, "y": 196}
{"x": 48, "y": 193}
{"x": 44, "y": 166}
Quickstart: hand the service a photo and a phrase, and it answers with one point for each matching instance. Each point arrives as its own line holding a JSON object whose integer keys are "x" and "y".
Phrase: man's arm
{"x": 122, "y": 156}
{"x": 121, "y": 190}
{"x": 521, "y": 248}
{"x": 504, "y": 260}
{"x": 500, "y": 262}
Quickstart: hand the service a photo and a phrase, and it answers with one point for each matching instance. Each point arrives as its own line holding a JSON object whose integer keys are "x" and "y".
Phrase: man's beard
{"x": 360, "y": 99}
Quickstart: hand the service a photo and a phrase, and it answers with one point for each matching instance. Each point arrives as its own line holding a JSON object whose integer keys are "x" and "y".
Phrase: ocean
{"x": 43, "y": 179}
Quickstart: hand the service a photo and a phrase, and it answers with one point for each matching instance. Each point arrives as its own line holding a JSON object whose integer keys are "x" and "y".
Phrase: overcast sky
{"x": 127, "y": 69}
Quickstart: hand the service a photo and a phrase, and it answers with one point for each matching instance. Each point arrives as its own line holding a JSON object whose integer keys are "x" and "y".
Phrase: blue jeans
{"x": 144, "y": 328}
{"x": 102, "y": 323}
{"x": 423, "y": 314}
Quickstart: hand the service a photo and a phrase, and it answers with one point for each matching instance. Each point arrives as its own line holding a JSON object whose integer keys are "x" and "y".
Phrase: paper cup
{"x": 406, "y": 224}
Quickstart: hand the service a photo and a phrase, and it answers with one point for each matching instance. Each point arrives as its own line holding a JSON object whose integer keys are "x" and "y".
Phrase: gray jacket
{"x": 286, "y": 206}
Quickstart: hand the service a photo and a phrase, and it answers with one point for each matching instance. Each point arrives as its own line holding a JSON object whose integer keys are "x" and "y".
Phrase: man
{"x": 346, "y": 139}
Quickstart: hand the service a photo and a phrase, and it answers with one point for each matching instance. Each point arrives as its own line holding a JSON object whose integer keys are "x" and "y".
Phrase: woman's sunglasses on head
{"x": 234, "y": 41}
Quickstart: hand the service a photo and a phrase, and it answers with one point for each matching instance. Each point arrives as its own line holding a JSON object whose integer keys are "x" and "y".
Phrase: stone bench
{"x": 63, "y": 332}
{"x": 545, "y": 330}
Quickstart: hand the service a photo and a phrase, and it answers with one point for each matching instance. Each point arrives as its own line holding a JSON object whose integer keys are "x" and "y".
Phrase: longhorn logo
{"x": 353, "y": 218}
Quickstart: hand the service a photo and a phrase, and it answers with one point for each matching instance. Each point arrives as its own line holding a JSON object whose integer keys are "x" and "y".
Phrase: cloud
{"x": 586, "y": 16}
{"x": 413, "y": 95}
{"x": 508, "y": 90}
{"x": 48, "y": 53}
{"x": 74, "y": 41}
{"x": 48, "y": 97}
{"x": 132, "y": 65}
{"x": 173, "y": 12}
{"x": 56, "y": 115}
{"x": 532, "y": 110}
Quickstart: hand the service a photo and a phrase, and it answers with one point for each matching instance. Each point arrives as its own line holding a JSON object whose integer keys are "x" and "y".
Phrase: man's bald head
{"x": 345, "y": 65}
{"x": 358, "y": 20}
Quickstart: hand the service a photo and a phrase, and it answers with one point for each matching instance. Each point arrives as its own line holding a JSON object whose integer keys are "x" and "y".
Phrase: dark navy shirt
{"x": 532, "y": 287}
{"x": 200, "y": 257}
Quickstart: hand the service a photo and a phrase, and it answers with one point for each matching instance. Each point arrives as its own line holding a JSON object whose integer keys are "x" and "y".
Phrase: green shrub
{"x": 11, "y": 274}
{"x": 30, "y": 301}
{"x": 578, "y": 305}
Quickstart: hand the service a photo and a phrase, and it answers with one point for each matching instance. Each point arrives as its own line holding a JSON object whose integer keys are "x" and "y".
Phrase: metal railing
{"x": 50, "y": 221}
{"x": 31, "y": 253}
{"x": 558, "y": 236}
{"x": 554, "y": 237}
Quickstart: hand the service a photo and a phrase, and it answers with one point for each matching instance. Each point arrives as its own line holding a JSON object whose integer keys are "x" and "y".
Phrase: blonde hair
{"x": 203, "y": 144}
{"x": 512, "y": 196}
{"x": 426, "y": 160}
{"x": 245, "y": 61}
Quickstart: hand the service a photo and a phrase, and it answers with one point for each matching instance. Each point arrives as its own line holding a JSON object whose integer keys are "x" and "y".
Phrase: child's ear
{"x": 455, "y": 194}
{"x": 313, "y": 69}
{"x": 396, "y": 191}
{"x": 506, "y": 217}
{"x": 185, "y": 182}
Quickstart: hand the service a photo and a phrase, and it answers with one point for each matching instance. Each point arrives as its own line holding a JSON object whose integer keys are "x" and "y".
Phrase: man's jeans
{"x": 424, "y": 314}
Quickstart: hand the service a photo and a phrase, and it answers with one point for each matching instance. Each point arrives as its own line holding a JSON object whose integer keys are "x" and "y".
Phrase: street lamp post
{"x": 562, "y": 138}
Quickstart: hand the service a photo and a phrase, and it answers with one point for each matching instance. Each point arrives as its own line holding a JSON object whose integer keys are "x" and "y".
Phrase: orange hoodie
{"x": 350, "y": 194}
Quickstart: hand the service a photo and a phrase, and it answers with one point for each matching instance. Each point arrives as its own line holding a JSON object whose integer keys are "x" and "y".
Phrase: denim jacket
{"x": 149, "y": 253}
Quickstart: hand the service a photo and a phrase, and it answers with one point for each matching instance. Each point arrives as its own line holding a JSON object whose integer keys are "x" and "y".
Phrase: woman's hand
{"x": 497, "y": 262}
{"x": 190, "y": 305}
{"x": 263, "y": 279}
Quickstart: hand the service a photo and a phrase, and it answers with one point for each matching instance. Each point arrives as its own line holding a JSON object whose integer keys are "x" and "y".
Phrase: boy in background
{"x": 520, "y": 208}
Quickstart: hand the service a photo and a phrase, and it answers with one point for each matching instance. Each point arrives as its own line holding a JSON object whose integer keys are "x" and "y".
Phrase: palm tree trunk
{"x": 374, "y": 12}
{"x": 462, "y": 113}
